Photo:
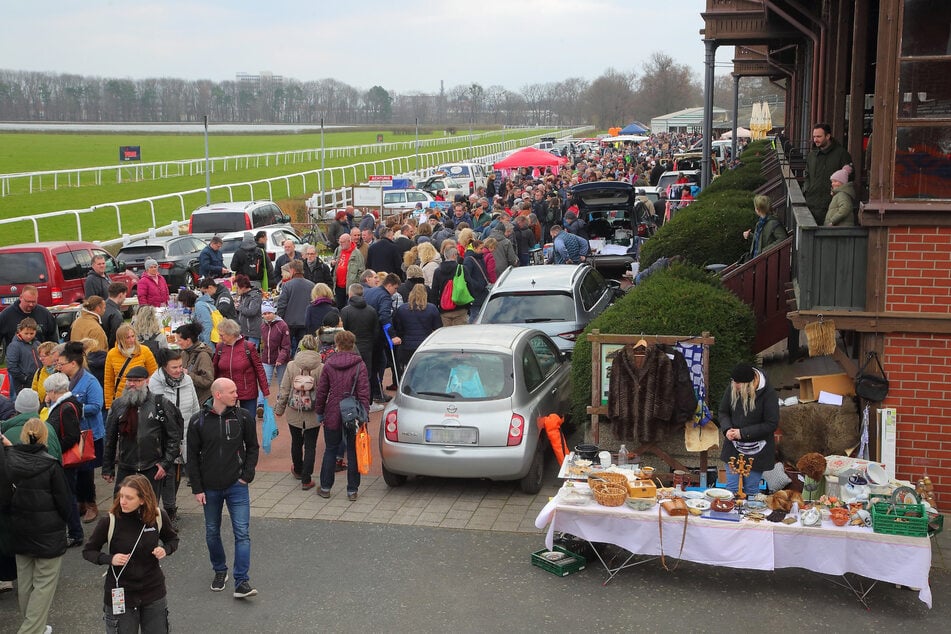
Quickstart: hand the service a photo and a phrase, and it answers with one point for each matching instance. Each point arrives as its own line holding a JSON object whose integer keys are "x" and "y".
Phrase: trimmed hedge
{"x": 681, "y": 300}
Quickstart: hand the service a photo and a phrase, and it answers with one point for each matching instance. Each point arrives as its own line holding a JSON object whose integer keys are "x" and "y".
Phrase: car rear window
{"x": 141, "y": 253}
{"x": 459, "y": 376}
{"x": 455, "y": 170}
{"x": 230, "y": 245}
{"x": 219, "y": 222}
{"x": 23, "y": 268}
{"x": 528, "y": 308}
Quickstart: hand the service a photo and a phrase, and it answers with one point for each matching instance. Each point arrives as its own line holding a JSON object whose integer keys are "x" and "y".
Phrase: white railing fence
{"x": 173, "y": 206}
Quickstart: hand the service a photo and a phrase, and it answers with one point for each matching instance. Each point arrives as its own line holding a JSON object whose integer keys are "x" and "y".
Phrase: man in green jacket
{"x": 27, "y": 406}
{"x": 825, "y": 158}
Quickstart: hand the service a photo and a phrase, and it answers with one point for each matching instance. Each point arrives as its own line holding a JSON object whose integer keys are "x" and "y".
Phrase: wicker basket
{"x": 606, "y": 477}
{"x": 609, "y": 494}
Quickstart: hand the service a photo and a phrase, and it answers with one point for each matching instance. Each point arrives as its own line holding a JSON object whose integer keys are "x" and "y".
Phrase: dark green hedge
{"x": 682, "y": 300}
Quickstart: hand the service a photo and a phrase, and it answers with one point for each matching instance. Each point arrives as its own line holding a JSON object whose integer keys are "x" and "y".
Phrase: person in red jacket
{"x": 153, "y": 291}
{"x": 238, "y": 360}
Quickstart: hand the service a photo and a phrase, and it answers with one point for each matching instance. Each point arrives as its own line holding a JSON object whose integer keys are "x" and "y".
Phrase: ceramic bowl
{"x": 876, "y": 474}
{"x": 840, "y": 516}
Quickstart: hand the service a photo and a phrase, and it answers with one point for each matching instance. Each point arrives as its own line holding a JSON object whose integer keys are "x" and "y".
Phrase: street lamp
{"x": 207, "y": 167}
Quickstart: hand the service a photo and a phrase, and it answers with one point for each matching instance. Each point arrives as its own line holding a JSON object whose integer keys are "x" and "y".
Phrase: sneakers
{"x": 295, "y": 474}
{"x": 6, "y": 586}
{"x": 91, "y": 514}
{"x": 244, "y": 590}
{"x": 73, "y": 542}
{"x": 219, "y": 582}
{"x": 352, "y": 496}
{"x": 48, "y": 630}
{"x": 323, "y": 494}
{"x": 386, "y": 398}
{"x": 307, "y": 486}
{"x": 341, "y": 465}
{"x": 376, "y": 407}
{"x": 260, "y": 411}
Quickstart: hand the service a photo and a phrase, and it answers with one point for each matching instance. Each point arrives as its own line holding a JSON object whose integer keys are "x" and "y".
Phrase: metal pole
{"x": 736, "y": 114}
{"x": 321, "y": 183}
{"x": 417, "y": 146}
{"x": 470, "y": 139}
{"x": 207, "y": 167}
{"x": 709, "y": 57}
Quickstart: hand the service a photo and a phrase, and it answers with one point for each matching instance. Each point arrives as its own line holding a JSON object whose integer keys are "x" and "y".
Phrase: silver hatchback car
{"x": 558, "y": 299}
{"x": 469, "y": 403}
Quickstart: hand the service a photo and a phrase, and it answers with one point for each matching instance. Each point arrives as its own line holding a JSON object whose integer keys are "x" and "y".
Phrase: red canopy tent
{"x": 530, "y": 157}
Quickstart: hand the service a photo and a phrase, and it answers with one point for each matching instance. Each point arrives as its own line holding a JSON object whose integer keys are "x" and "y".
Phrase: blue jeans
{"x": 270, "y": 371}
{"x": 332, "y": 439}
{"x": 249, "y": 405}
{"x": 74, "y": 526}
{"x": 239, "y": 508}
{"x": 750, "y": 482}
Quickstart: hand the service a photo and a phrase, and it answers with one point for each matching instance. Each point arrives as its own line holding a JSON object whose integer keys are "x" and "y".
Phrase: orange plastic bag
{"x": 364, "y": 455}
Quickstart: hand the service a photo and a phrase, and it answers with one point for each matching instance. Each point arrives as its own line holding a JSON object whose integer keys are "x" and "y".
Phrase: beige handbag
{"x": 701, "y": 438}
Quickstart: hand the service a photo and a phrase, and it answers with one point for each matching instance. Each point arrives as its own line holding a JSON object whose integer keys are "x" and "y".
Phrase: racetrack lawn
{"x": 57, "y": 151}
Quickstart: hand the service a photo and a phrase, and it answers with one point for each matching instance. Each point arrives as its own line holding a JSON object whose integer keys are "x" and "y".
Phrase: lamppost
{"x": 417, "y": 146}
{"x": 207, "y": 167}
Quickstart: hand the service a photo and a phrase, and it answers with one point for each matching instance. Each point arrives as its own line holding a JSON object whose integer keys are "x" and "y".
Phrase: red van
{"x": 57, "y": 269}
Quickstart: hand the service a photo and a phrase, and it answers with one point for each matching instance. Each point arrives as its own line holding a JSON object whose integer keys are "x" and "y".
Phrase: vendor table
{"x": 828, "y": 549}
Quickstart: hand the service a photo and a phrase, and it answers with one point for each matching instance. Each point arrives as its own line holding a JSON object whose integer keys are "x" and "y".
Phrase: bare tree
{"x": 610, "y": 98}
{"x": 666, "y": 86}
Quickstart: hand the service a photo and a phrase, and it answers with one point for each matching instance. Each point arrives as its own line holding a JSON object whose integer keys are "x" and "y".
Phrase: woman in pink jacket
{"x": 152, "y": 289}
{"x": 237, "y": 359}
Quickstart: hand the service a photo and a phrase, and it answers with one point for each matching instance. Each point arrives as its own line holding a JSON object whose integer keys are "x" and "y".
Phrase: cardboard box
{"x": 810, "y": 386}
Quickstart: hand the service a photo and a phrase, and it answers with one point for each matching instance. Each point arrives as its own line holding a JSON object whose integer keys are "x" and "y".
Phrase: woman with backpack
{"x": 296, "y": 399}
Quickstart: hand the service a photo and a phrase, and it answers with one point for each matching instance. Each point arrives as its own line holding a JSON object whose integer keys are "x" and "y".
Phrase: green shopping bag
{"x": 460, "y": 291}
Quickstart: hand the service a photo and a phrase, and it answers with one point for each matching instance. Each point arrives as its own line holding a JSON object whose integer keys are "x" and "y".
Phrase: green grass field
{"x": 31, "y": 152}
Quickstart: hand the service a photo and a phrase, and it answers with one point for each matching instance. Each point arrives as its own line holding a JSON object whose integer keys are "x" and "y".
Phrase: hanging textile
{"x": 693, "y": 355}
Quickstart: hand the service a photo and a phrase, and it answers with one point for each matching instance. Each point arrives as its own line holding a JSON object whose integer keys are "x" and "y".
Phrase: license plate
{"x": 452, "y": 435}
{"x": 8, "y": 300}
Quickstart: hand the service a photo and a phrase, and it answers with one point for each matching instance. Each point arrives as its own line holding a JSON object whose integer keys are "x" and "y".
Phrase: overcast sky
{"x": 406, "y": 45}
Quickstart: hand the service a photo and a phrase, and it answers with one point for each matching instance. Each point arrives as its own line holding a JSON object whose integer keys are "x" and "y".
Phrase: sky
{"x": 406, "y": 46}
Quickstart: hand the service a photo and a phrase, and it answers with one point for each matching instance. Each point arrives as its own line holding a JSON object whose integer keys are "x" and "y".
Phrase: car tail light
{"x": 56, "y": 293}
{"x": 571, "y": 335}
{"x": 271, "y": 256}
{"x": 516, "y": 430}
{"x": 247, "y": 222}
{"x": 165, "y": 265}
{"x": 471, "y": 187}
{"x": 190, "y": 221}
{"x": 391, "y": 427}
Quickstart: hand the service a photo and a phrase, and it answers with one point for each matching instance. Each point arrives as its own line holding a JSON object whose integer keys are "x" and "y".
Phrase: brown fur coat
{"x": 645, "y": 402}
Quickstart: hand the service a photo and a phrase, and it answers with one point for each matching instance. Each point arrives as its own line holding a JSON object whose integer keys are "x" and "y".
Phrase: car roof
{"x": 551, "y": 277}
{"x": 157, "y": 241}
{"x": 233, "y": 206}
{"x": 490, "y": 337}
{"x": 54, "y": 244}
{"x": 269, "y": 229}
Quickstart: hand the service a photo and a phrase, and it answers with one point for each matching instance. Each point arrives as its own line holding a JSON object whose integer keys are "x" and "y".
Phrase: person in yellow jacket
{"x": 48, "y": 367}
{"x": 125, "y": 355}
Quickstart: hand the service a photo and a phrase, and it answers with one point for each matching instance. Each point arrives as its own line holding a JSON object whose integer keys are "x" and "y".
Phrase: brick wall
{"x": 919, "y": 270}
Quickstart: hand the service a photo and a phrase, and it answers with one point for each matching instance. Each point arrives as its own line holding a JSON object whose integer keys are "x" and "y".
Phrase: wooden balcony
{"x": 743, "y": 22}
{"x": 761, "y": 284}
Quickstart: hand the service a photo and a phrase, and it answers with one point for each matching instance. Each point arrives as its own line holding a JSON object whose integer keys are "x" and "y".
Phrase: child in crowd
{"x": 275, "y": 344}
{"x": 46, "y": 368}
{"x": 23, "y": 357}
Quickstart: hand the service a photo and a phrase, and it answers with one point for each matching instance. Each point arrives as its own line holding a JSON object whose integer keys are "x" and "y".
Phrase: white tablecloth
{"x": 828, "y": 549}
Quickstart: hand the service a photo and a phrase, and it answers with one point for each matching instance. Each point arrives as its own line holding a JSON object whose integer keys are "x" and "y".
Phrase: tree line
{"x": 614, "y": 98}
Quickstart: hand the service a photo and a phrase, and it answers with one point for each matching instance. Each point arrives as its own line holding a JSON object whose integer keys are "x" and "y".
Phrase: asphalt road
{"x": 319, "y": 576}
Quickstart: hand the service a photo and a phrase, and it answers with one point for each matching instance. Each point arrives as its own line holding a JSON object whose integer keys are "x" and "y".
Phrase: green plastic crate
{"x": 890, "y": 519}
{"x": 572, "y": 563}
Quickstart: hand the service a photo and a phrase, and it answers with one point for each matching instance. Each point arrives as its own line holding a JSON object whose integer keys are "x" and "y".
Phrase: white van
{"x": 471, "y": 175}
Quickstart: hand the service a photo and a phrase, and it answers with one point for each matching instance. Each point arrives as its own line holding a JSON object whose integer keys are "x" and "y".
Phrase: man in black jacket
{"x": 143, "y": 433}
{"x": 97, "y": 282}
{"x": 112, "y": 318}
{"x": 385, "y": 255}
{"x": 315, "y": 269}
{"x": 28, "y": 306}
{"x": 222, "y": 454}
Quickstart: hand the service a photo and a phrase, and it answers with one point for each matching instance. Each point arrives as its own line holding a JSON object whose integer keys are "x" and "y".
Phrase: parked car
{"x": 560, "y": 300}
{"x": 469, "y": 403}
{"x": 471, "y": 175}
{"x": 275, "y": 241}
{"x": 175, "y": 255}
{"x": 57, "y": 269}
{"x": 609, "y": 209}
{"x": 671, "y": 177}
{"x": 395, "y": 200}
{"x": 442, "y": 183}
{"x": 221, "y": 218}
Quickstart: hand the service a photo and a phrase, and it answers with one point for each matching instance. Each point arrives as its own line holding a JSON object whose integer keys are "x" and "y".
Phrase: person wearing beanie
{"x": 152, "y": 288}
{"x": 841, "y": 211}
{"x": 749, "y": 414}
{"x": 27, "y": 406}
{"x": 275, "y": 344}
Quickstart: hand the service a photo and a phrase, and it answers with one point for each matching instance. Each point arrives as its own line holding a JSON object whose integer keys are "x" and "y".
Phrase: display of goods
{"x": 558, "y": 561}
{"x": 609, "y": 494}
{"x": 899, "y": 519}
{"x": 606, "y": 477}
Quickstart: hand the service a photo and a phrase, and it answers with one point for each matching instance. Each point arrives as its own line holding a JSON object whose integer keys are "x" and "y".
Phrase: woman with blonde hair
{"x": 137, "y": 535}
{"x": 411, "y": 257}
{"x": 321, "y": 303}
{"x": 37, "y": 509}
{"x": 429, "y": 261}
{"x": 89, "y": 322}
{"x": 126, "y": 354}
{"x": 413, "y": 322}
{"x": 47, "y": 367}
{"x": 749, "y": 414}
{"x": 95, "y": 359}
{"x": 465, "y": 241}
{"x": 149, "y": 329}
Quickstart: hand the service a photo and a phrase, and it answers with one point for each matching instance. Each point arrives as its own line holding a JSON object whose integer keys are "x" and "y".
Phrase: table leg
{"x": 612, "y": 572}
{"x": 858, "y": 588}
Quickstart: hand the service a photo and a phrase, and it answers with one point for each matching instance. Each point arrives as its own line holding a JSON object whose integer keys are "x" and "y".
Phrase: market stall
{"x": 743, "y": 543}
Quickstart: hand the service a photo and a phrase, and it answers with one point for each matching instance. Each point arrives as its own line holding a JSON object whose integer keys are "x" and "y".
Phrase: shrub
{"x": 681, "y": 300}
{"x": 708, "y": 231}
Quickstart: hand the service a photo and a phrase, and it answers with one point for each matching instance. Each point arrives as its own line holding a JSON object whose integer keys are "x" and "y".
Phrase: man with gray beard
{"x": 143, "y": 434}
